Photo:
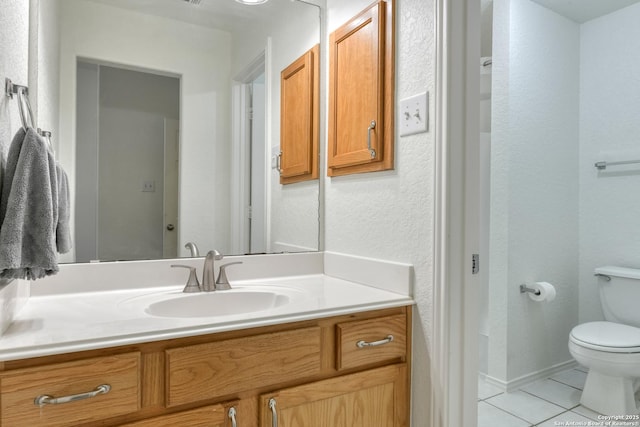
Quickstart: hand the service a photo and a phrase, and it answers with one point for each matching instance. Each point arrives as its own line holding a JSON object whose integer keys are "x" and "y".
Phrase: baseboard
{"x": 517, "y": 383}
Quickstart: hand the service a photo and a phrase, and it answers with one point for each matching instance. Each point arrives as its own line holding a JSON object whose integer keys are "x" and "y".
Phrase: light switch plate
{"x": 414, "y": 114}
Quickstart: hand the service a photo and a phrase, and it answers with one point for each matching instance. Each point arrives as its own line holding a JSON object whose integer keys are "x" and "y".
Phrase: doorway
{"x": 251, "y": 159}
{"x": 126, "y": 163}
{"x": 558, "y": 107}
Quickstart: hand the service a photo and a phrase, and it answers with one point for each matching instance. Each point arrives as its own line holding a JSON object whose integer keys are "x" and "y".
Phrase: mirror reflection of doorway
{"x": 127, "y": 148}
{"x": 251, "y": 156}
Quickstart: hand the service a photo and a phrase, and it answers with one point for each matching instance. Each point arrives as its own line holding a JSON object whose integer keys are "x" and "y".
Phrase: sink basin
{"x": 242, "y": 300}
{"x": 219, "y": 303}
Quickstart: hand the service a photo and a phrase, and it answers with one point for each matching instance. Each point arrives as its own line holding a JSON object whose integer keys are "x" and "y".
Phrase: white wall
{"x": 14, "y": 64}
{"x": 46, "y": 67}
{"x": 389, "y": 215}
{"x": 201, "y": 57}
{"x": 14, "y": 39}
{"x": 534, "y": 187}
{"x": 609, "y": 130}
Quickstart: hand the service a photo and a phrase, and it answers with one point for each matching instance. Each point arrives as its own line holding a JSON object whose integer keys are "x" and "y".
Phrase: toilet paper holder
{"x": 525, "y": 288}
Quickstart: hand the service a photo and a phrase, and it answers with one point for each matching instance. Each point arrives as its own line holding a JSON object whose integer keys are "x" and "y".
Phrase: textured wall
{"x": 389, "y": 215}
{"x": 609, "y": 130}
{"x": 14, "y": 40}
{"x": 534, "y": 187}
{"x": 45, "y": 65}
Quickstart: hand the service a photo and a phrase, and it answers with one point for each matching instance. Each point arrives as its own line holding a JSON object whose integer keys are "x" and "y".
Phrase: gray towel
{"x": 28, "y": 210}
{"x": 63, "y": 231}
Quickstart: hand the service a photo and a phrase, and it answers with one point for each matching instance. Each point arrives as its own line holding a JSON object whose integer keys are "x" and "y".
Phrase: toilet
{"x": 611, "y": 348}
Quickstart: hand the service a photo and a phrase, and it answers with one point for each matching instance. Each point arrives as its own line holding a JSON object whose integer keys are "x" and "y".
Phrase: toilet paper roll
{"x": 547, "y": 291}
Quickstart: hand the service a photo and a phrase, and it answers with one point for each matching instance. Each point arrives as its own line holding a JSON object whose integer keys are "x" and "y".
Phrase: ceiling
{"x": 584, "y": 10}
{"x": 222, "y": 14}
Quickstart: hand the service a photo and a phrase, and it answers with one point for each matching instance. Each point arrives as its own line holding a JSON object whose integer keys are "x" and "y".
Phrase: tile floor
{"x": 550, "y": 402}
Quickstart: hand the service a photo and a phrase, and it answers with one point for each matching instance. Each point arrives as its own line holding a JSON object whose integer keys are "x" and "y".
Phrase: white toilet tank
{"x": 620, "y": 294}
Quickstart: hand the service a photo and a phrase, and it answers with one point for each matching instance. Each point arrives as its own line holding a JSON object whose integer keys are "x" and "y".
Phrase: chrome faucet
{"x": 208, "y": 273}
{"x": 193, "y": 248}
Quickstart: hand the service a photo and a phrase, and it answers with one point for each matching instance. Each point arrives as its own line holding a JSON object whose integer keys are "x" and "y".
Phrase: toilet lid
{"x": 608, "y": 336}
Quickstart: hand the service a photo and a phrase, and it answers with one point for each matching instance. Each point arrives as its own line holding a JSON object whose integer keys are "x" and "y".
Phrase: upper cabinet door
{"x": 361, "y": 85}
{"x": 299, "y": 119}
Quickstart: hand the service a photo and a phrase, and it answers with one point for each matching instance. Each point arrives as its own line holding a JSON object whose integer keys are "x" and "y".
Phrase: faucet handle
{"x": 222, "y": 283}
{"x": 192, "y": 283}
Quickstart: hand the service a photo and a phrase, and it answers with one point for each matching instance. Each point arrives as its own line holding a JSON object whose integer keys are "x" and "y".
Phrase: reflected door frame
{"x": 241, "y": 187}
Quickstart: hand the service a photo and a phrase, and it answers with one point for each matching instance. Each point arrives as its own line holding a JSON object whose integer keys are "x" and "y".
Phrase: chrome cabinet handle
{"x": 372, "y": 126}
{"x": 232, "y": 416}
{"x": 45, "y": 399}
{"x": 363, "y": 344}
{"x": 274, "y": 412}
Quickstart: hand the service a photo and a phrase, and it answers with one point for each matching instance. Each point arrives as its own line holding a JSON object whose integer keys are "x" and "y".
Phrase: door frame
{"x": 454, "y": 364}
{"x": 240, "y": 151}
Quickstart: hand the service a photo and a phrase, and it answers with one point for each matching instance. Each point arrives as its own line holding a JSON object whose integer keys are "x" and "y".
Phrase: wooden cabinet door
{"x": 361, "y": 93}
{"x": 374, "y": 398}
{"x": 299, "y": 86}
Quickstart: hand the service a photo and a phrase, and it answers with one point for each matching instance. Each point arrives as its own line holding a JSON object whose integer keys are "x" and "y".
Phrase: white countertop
{"x": 69, "y": 322}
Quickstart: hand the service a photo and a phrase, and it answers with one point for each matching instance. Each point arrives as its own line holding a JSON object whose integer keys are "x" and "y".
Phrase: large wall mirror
{"x": 165, "y": 115}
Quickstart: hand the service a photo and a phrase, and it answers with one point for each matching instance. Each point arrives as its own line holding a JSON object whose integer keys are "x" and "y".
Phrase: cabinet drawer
{"x": 216, "y": 369}
{"x": 20, "y": 388}
{"x": 367, "y": 341}
{"x": 207, "y": 416}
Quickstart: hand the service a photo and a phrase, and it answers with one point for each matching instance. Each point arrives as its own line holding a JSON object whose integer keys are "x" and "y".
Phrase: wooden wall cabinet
{"x": 315, "y": 371}
{"x": 299, "y": 118}
{"x": 361, "y": 93}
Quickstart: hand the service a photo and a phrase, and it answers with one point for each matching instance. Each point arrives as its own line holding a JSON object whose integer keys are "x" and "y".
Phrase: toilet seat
{"x": 607, "y": 336}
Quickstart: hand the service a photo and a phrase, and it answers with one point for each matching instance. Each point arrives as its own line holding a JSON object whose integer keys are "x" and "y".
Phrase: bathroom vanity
{"x": 338, "y": 354}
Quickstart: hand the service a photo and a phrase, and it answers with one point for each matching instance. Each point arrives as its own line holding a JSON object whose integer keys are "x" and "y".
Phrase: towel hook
{"x": 23, "y": 101}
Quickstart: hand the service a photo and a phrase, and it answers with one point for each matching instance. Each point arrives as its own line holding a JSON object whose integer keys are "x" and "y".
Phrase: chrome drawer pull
{"x": 45, "y": 399}
{"x": 363, "y": 344}
{"x": 232, "y": 416}
{"x": 274, "y": 413}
